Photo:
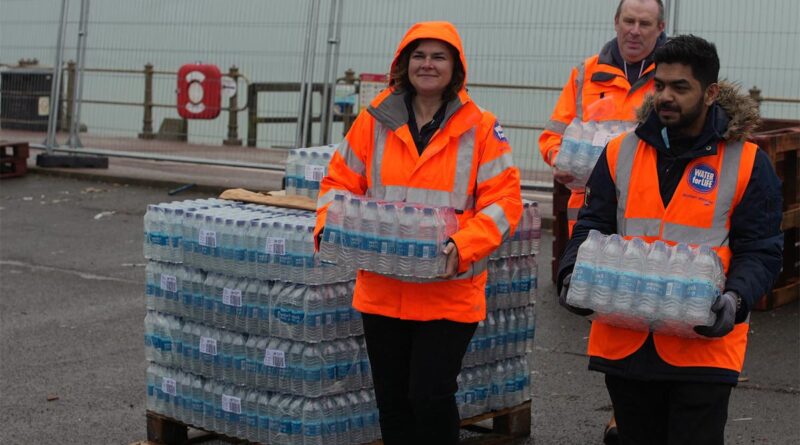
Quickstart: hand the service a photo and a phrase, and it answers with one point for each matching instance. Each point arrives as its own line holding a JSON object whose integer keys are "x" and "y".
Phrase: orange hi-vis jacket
{"x": 699, "y": 213}
{"x": 596, "y": 91}
{"x": 467, "y": 165}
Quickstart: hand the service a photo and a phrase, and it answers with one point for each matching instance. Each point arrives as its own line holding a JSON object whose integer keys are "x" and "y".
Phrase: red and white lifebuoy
{"x": 199, "y": 91}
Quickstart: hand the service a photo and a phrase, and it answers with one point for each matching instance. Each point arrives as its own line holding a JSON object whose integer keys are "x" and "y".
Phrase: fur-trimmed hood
{"x": 741, "y": 109}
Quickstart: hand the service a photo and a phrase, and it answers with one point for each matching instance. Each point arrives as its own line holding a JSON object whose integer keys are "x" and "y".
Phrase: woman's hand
{"x": 451, "y": 252}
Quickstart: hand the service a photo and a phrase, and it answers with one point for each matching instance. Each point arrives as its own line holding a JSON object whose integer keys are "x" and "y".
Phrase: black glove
{"x": 562, "y": 299}
{"x": 725, "y": 308}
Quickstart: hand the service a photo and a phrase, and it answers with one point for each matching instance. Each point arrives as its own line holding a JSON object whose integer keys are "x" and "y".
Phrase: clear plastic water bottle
{"x": 581, "y": 282}
{"x": 289, "y": 175}
{"x": 582, "y": 160}
{"x": 503, "y": 284}
{"x": 407, "y": 240}
{"x": 631, "y": 272}
{"x": 264, "y": 420}
{"x": 430, "y": 238}
{"x": 388, "y": 231}
{"x": 312, "y": 422}
{"x": 351, "y": 232}
{"x": 569, "y": 146}
{"x": 368, "y": 250}
{"x": 606, "y": 274}
{"x": 652, "y": 286}
{"x": 677, "y": 277}
{"x": 314, "y": 311}
{"x": 332, "y": 235}
{"x": 702, "y": 291}
{"x": 536, "y": 228}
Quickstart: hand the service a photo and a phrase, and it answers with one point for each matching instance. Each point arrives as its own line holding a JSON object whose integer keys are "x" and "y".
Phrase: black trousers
{"x": 414, "y": 369}
{"x": 669, "y": 413}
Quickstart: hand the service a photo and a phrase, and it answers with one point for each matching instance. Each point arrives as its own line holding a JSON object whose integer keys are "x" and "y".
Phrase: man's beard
{"x": 685, "y": 119}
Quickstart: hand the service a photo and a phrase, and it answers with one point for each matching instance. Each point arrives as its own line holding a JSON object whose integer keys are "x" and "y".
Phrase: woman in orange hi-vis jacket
{"x": 424, "y": 140}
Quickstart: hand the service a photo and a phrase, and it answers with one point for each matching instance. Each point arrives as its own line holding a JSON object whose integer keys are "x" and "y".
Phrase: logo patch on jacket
{"x": 499, "y": 133}
{"x": 703, "y": 178}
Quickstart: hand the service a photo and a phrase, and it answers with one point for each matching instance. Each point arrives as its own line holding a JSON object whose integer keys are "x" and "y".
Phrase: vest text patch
{"x": 703, "y": 178}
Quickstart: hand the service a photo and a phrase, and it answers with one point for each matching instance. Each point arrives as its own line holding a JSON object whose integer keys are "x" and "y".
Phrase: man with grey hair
{"x": 608, "y": 86}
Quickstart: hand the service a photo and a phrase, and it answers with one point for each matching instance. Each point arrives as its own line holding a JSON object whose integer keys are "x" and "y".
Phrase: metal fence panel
{"x": 514, "y": 42}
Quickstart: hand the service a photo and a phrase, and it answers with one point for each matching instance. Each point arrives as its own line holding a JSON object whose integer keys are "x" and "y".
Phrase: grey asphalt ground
{"x": 71, "y": 328}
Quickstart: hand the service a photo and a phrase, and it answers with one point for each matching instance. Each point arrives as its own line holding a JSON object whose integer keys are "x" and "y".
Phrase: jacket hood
{"x": 444, "y": 31}
{"x": 741, "y": 110}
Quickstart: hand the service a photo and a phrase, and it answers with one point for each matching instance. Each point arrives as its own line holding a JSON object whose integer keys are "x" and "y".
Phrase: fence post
{"x": 755, "y": 93}
{"x": 347, "y": 111}
{"x": 147, "y": 124}
{"x": 252, "y": 115}
{"x": 66, "y": 124}
{"x": 233, "y": 113}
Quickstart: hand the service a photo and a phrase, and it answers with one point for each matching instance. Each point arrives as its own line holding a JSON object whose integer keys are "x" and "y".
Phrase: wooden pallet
{"x": 13, "y": 159}
{"x": 507, "y": 425}
{"x": 780, "y": 139}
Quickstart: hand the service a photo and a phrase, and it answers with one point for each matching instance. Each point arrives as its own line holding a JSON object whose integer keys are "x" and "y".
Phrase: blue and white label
{"x": 703, "y": 178}
{"x": 499, "y": 133}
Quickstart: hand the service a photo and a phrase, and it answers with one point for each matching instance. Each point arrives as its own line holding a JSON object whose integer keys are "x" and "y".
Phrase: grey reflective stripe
{"x": 579, "y": 92}
{"x": 466, "y": 153}
{"x": 458, "y": 198}
{"x": 717, "y": 234}
{"x": 376, "y": 189}
{"x": 627, "y": 151}
{"x": 493, "y": 168}
{"x": 498, "y": 215}
{"x": 639, "y": 227}
{"x": 326, "y": 198}
{"x": 713, "y": 236}
{"x": 350, "y": 158}
{"x": 572, "y": 214}
{"x": 555, "y": 126}
{"x": 475, "y": 269}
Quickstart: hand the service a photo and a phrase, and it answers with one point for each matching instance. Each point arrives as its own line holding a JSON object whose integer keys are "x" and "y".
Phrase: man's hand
{"x": 725, "y": 308}
{"x": 562, "y": 176}
{"x": 562, "y": 299}
{"x": 451, "y": 252}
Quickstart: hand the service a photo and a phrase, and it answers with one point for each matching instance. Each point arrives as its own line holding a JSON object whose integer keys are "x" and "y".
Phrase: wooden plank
{"x": 791, "y": 218}
{"x": 271, "y": 198}
{"x": 780, "y": 296}
{"x": 165, "y": 431}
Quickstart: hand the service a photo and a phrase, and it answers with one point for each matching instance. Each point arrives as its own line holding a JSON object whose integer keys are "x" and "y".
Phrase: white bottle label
{"x": 168, "y": 386}
{"x": 274, "y": 358}
{"x": 232, "y": 297}
{"x": 169, "y": 283}
{"x": 601, "y": 138}
{"x": 208, "y": 346}
{"x": 315, "y": 172}
{"x": 276, "y": 246}
{"x": 231, "y": 404}
{"x": 208, "y": 238}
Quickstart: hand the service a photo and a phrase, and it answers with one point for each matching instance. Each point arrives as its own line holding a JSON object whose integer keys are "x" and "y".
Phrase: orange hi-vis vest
{"x": 598, "y": 92}
{"x": 698, "y": 213}
{"x": 467, "y": 165}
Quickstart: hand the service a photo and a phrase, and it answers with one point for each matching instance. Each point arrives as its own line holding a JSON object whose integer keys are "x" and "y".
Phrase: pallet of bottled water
{"x": 655, "y": 287}
{"x": 262, "y": 416}
{"x": 582, "y": 144}
{"x": 526, "y": 239}
{"x": 305, "y": 168}
{"x": 387, "y": 237}
{"x": 228, "y": 237}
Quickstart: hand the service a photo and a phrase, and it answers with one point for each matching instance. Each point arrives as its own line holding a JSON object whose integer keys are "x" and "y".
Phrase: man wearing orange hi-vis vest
{"x": 685, "y": 175}
{"x": 607, "y": 87}
{"x": 423, "y": 140}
